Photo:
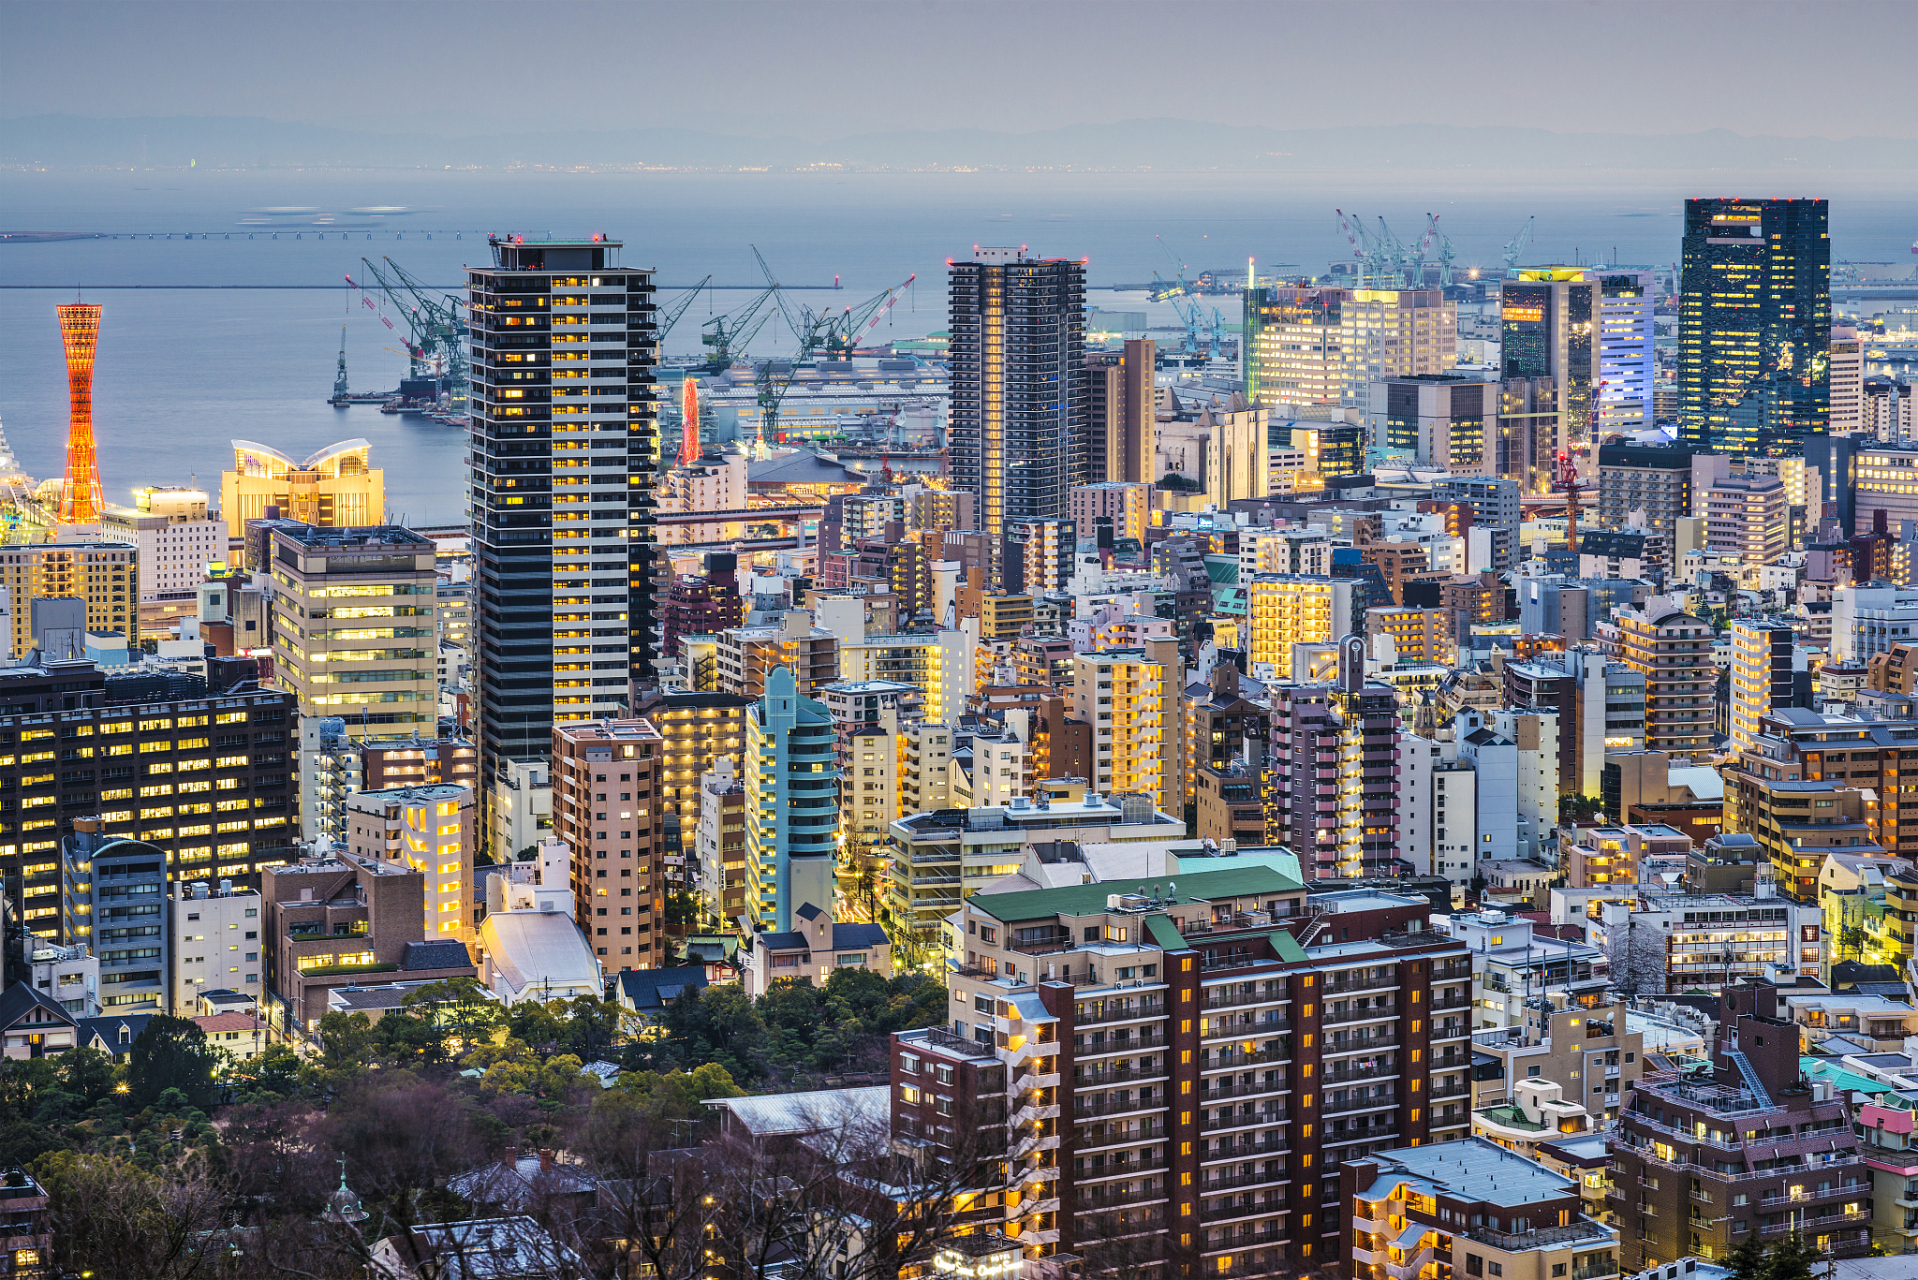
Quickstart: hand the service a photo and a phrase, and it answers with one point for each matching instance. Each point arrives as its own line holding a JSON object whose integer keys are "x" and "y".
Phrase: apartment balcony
{"x": 1359, "y": 1015}
{"x": 1272, "y": 1144}
{"x": 1093, "y": 1109}
{"x": 1813, "y": 1226}
{"x": 1119, "y": 1169}
{"x": 1221, "y": 1030}
{"x": 1093, "y": 1137}
{"x": 1213, "y": 1096}
{"x": 1127, "y": 1044}
{"x": 1100, "y": 1079}
{"x": 1243, "y": 1120}
{"x": 1212, "y": 1186}
{"x": 1360, "y": 1104}
{"x": 1152, "y": 1010}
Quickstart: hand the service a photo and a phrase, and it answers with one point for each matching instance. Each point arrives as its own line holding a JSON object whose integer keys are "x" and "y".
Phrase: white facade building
{"x": 216, "y": 943}
{"x": 1626, "y": 295}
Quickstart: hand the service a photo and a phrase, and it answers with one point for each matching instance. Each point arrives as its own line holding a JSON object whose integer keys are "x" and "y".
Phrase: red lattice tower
{"x": 80, "y": 498}
{"x": 689, "y": 433}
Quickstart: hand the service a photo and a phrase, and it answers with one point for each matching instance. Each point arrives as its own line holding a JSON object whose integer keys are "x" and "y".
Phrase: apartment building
{"x": 700, "y": 729}
{"x": 342, "y": 923}
{"x": 608, "y": 810}
{"x": 1185, "y": 1066}
{"x": 1305, "y": 551}
{"x": 1122, "y": 696}
{"x": 1589, "y": 1051}
{"x": 1616, "y": 855}
{"x": 925, "y": 779}
{"x": 1749, "y": 517}
{"x": 1761, "y": 1152}
{"x": 215, "y": 943}
{"x": 1331, "y": 789}
{"x": 1423, "y": 636}
{"x": 419, "y": 762}
{"x": 1474, "y": 1209}
{"x": 943, "y": 856}
{"x": 1766, "y": 662}
{"x": 174, "y": 534}
{"x": 1286, "y": 609}
{"x": 1671, "y": 648}
{"x": 433, "y": 830}
{"x": 1225, "y": 718}
{"x": 1127, "y": 506}
{"x": 868, "y": 719}
{"x": 747, "y": 654}
{"x": 104, "y": 574}
{"x": 938, "y": 664}
{"x": 721, "y": 841}
{"x": 792, "y": 803}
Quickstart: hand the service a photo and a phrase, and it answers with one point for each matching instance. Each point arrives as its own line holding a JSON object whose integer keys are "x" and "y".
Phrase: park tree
{"x": 172, "y": 1053}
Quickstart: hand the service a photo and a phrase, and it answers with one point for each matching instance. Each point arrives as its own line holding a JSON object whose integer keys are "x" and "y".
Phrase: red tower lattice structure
{"x": 689, "y": 433}
{"x": 81, "y": 501}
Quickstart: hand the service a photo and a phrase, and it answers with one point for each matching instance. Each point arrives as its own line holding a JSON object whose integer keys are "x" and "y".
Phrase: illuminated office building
{"x": 1754, "y": 325}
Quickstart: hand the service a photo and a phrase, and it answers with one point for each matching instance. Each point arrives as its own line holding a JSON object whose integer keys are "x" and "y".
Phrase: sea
{"x": 226, "y": 300}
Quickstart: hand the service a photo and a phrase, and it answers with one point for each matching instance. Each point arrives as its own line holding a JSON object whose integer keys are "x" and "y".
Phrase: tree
{"x": 110, "y": 1218}
{"x": 172, "y": 1053}
{"x": 718, "y": 1024}
{"x": 1793, "y": 1258}
{"x": 463, "y": 1006}
{"x": 88, "y": 1072}
{"x": 346, "y": 1039}
{"x": 1746, "y": 1259}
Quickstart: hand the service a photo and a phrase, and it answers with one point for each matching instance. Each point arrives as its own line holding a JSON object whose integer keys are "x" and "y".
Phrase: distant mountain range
{"x": 226, "y": 142}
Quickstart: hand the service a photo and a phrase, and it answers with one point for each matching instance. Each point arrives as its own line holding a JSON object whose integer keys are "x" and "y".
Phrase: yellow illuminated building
{"x": 333, "y": 487}
{"x": 104, "y": 574}
{"x": 1284, "y": 609}
{"x": 1122, "y": 697}
{"x": 432, "y": 830}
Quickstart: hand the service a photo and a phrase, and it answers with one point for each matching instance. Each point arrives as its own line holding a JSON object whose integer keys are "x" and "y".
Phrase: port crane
{"x": 436, "y": 323}
{"x": 732, "y": 332}
{"x": 1516, "y": 245}
{"x": 670, "y": 313}
{"x": 1445, "y": 252}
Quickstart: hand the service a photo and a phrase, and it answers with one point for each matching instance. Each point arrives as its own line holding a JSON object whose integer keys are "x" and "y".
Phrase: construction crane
{"x": 732, "y": 332}
{"x": 437, "y": 327}
{"x": 670, "y": 313}
{"x": 1516, "y": 245}
{"x": 1445, "y": 253}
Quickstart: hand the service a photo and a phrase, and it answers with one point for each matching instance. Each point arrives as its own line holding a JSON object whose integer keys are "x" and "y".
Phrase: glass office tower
{"x": 1754, "y": 326}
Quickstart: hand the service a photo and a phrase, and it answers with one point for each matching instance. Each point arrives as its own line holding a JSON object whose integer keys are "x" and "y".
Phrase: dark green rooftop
{"x": 1090, "y": 899}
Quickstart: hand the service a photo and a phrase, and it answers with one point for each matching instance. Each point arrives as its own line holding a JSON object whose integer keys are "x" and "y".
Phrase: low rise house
{"x": 814, "y": 948}
{"x": 243, "y": 1035}
{"x": 35, "y": 1026}
{"x": 1538, "y": 1112}
{"x": 649, "y": 991}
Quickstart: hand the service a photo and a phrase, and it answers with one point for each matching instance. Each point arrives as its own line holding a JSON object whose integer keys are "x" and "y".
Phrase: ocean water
{"x": 222, "y": 336}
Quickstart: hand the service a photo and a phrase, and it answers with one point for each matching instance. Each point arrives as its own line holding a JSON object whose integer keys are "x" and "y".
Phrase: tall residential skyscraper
{"x": 1121, "y": 398}
{"x": 80, "y": 498}
{"x": 1018, "y": 418}
{"x": 564, "y": 452}
{"x": 1754, "y": 325}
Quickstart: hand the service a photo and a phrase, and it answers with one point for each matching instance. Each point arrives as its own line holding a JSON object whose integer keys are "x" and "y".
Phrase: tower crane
{"x": 1516, "y": 245}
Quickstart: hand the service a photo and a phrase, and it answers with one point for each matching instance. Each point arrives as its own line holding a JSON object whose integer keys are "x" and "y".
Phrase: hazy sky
{"x": 825, "y": 70}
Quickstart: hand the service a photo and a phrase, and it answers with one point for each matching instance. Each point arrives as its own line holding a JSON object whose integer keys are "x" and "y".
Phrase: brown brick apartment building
{"x": 1185, "y": 1066}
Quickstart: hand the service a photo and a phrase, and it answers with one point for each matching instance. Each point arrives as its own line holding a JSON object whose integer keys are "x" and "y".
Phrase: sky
{"x": 826, "y": 70}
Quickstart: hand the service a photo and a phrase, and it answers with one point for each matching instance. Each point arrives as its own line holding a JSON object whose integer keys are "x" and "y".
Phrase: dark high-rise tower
{"x": 1019, "y": 404}
{"x": 564, "y": 453}
{"x": 1754, "y": 326}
